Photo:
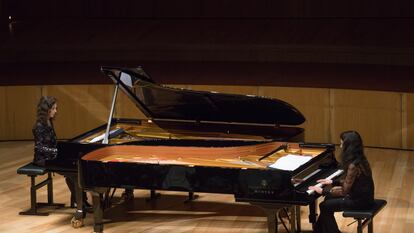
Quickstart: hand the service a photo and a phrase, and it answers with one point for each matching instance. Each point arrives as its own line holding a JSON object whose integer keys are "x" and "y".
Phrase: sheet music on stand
{"x": 290, "y": 162}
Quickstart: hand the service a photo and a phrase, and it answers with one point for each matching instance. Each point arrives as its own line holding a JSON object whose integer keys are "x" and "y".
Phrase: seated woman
{"x": 355, "y": 191}
{"x": 45, "y": 148}
{"x": 43, "y": 131}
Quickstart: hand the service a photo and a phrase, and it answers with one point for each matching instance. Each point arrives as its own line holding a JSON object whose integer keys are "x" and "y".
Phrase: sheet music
{"x": 290, "y": 162}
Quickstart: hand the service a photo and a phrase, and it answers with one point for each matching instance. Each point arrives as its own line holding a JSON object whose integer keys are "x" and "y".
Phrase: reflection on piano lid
{"x": 161, "y": 103}
{"x": 112, "y": 134}
{"x": 126, "y": 79}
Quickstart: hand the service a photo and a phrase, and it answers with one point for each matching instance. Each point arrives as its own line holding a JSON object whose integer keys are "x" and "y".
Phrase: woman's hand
{"x": 324, "y": 181}
{"x": 316, "y": 189}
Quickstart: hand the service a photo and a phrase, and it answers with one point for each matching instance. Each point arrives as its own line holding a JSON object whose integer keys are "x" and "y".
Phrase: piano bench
{"x": 32, "y": 171}
{"x": 366, "y": 217}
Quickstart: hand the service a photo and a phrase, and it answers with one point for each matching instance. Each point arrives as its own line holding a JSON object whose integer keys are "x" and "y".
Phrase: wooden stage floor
{"x": 393, "y": 174}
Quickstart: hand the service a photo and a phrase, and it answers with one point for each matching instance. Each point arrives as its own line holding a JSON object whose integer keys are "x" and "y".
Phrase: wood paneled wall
{"x": 18, "y": 111}
{"x": 80, "y": 107}
{"x": 384, "y": 119}
{"x": 376, "y": 114}
{"x": 408, "y": 121}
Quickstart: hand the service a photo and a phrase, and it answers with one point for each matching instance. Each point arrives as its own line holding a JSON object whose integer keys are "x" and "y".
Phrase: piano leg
{"x": 73, "y": 185}
{"x": 272, "y": 222}
{"x": 191, "y": 197}
{"x": 79, "y": 197}
{"x": 312, "y": 213}
{"x": 298, "y": 220}
{"x": 97, "y": 199}
{"x": 153, "y": 196}
{"x": 272, "y": 211}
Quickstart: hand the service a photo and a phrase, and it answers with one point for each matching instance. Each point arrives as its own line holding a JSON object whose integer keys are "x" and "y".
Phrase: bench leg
{"x": 371, "y": 226}
{"x": 359, "y": 229}
{"x": 49, "y": 189}
{"x": 33, "y": 202}
{"x": 50, "y": 202}
{"x": 33, "y": 196}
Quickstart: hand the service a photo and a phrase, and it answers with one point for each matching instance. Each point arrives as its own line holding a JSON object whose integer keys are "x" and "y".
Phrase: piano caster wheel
{"x": 77, "y": 219}
{"x": 76, "y": 223}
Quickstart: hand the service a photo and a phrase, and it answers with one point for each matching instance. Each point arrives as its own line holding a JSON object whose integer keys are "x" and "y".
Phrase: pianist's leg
{"x": 326, "y": 222}
{"x": 73, "y": 188}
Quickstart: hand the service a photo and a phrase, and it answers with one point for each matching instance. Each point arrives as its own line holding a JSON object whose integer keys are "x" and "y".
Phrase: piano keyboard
{"x": 305, "y": 179}
{"x": 333, "y": 175}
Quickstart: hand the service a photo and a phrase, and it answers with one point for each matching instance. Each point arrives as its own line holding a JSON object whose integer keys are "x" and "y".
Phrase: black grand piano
{"x": 198, "y": 141}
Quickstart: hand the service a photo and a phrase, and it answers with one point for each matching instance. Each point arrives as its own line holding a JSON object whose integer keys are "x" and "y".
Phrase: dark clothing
{"x": 356, "y": 191}
{"x": 326, "y": 221}
{"x": 45, "y": 149}
{"x": 45, "y": 143}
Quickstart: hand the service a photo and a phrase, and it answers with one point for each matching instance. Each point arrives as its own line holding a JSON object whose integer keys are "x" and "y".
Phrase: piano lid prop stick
{"x": 282, "y": 147}
{"x": 108, "y": 126}
{"x": 112, "y": 134}
{"x": 333, "y": 175}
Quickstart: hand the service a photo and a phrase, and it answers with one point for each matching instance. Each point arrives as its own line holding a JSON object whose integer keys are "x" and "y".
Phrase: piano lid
{"x": 159, "y": 102}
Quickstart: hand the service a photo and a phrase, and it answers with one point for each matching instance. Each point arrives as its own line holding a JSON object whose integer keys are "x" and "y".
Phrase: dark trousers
{"x": 69, "y": 181}
{"x": 326, "y": 222}
{"x": 72, "y": 187}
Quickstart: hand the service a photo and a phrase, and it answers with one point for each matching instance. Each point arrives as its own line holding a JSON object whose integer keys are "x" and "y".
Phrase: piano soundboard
{"x": 242, "y": 157}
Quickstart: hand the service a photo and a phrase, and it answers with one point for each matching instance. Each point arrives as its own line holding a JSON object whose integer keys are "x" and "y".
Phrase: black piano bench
{"x": 33, "y": 170}
{"x": 366, "y": 217}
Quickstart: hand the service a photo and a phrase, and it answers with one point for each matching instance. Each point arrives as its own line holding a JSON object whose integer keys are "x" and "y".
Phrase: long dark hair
{"x": 353, "y": 152}
{"x": 43, "y": 108}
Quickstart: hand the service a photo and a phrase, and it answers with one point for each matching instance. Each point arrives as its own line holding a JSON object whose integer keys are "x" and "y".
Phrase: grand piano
{"x": 198, "y": 141}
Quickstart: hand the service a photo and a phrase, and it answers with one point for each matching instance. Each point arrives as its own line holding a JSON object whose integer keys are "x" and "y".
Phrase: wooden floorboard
{"x": 393, "y": 174}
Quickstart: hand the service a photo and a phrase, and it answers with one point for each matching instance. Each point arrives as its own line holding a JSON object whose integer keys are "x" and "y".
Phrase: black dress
{"x": 356, "y": 191}
{"x": 45, "y": 143}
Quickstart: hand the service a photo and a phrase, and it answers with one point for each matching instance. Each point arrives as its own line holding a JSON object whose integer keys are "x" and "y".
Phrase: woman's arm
{"x": 349, "y": 180}
{"x": 44, "y": 142}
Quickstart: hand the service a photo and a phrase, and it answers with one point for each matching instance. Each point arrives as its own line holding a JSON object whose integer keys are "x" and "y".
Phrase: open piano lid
{"x": 158, "y": 102}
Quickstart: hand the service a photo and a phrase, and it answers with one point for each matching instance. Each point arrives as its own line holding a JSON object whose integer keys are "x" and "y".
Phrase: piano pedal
{"x": 284, "y": 214}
